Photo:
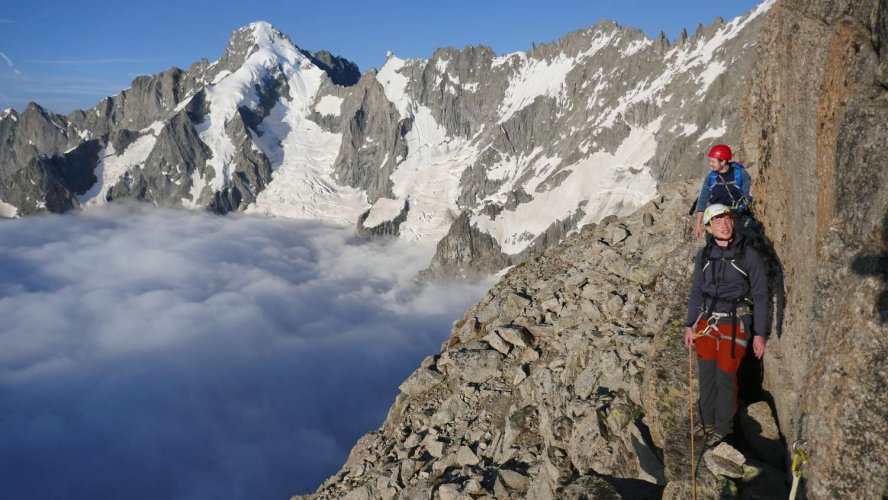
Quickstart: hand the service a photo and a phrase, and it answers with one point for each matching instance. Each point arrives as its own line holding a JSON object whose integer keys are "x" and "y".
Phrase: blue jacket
{"x": 730, "y": 189}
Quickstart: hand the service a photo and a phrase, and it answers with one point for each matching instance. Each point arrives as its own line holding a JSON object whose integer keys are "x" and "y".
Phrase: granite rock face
{"x": 340, "y": 70}
{"x": 816, "y": 136}
{"x": 465, "y": 252}
{"x": 373, "y": 139}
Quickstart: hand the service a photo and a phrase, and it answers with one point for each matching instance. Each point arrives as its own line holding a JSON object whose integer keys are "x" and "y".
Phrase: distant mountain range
{"x": 490, "y": 157}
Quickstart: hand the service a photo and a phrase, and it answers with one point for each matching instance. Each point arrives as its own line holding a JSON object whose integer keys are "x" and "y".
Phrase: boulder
{"x": 516, "y": 335}
{"x": 614, "y": 305}
{"x": 515, "y": 481}
{"x": 465, "y": 456}
{"x": 442, "y": 417}
{"x": 421, "y": 381}
{"x": 588, "y": 488}
{"x": 589, "y": 449}
{"x": 449, "y": 491}
{"x": 360, "y": 493}
{"x": 616, "y": 234}
{"x": 541, "y": 331}
{"x": 643, "y": 275}
{"x": 515, "y": 305}
{"x": 725, "y": 460}
{"x": 477, "y": 366}
{"x": 433, "y": 446}
{"x": 497, "y": 342}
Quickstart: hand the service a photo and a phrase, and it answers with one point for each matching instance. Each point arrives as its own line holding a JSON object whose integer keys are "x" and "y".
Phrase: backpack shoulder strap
{"x": 713, "y": 175}
{"x": 738, "y": 259}
{"x": 738, "y": 174}
{"x": 707, "y": 255}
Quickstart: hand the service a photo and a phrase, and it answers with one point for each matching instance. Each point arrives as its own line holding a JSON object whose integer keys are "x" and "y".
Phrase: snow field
{"x": 8, "y": 211}
{"x": 329, "y": 105}
{"x": 113, "y": 165}
{"x": 612, "y": 183}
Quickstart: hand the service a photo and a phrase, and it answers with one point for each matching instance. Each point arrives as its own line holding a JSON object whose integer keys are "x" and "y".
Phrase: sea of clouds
{"x": 177, "y": 355}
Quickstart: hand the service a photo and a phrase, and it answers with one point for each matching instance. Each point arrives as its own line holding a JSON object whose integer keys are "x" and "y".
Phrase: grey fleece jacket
{"x": 720, "y": 279}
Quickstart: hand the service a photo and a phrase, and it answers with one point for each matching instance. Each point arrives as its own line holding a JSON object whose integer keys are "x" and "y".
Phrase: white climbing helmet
{"x": 714, "y": 210}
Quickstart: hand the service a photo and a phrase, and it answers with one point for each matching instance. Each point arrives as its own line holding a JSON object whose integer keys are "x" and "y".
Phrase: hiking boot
{"x": 701, "y": 430}
{"x": 714, "y": 439}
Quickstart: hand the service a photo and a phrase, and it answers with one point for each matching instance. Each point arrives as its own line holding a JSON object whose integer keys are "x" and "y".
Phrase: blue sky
{"x": 67, "y": 55}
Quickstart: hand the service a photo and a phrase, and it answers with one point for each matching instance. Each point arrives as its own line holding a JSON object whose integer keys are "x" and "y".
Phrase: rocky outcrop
{"x": 340, "y": 70}
{"x": 465, "y": 252}
{"x": 52, "y": 183}
{"x": 817, "y": 136}
{"x": 148, "y": 99}
{"x": 566, "y": 379}
{"x": 252, "y": 169}
{"x": 167, "y": 175}
{"x": 386, "y": 228}
{"x": 372, "y": 140}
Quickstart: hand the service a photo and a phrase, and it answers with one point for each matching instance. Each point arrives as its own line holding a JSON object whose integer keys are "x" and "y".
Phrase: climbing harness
{"x": 799, "y": 460}
{"x": 739, "y": 306}
{"x": 715, "y": 318}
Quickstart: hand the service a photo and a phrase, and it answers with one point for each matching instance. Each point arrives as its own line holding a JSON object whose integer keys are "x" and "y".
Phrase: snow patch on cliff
{"x": 610, "y": 184}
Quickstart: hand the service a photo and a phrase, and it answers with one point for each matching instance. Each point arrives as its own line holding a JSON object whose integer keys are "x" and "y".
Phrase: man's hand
{"x": 758, "y": 346}
{"x": 689, "y": 338}
{"x": 698, "y": 231}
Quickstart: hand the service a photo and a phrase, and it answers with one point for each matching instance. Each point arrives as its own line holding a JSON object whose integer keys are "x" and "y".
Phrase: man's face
{"x": 714, "y": 165}
{"x": 721, "y": 227}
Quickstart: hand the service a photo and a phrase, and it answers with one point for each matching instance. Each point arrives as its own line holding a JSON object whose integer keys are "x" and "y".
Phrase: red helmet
{"x": 720, "y": 152}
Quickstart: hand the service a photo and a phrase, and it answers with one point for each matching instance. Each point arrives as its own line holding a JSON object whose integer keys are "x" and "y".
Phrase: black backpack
{"x": 737, "y": 262}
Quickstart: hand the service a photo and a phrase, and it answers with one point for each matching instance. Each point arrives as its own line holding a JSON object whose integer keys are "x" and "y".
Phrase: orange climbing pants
{"x": 717, "y": 345}
{"x": 717, "y": 373}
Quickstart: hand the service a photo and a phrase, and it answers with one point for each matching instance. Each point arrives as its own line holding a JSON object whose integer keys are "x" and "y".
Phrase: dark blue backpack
{"x": 738, "y": 203}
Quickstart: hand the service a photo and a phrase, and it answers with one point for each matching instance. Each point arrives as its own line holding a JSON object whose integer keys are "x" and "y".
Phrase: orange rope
{"x": 691, "y": 414}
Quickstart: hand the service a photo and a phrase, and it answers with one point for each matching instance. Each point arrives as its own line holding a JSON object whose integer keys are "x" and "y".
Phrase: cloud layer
{"x": 176, "y": 355}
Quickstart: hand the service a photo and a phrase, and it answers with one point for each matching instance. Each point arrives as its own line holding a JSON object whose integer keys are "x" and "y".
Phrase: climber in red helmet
{"x": 727, "y": 183}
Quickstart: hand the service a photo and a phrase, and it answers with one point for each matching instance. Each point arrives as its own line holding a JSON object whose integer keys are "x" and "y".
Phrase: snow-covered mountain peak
{"x": 259, "y": 33}
{"x": 258, "y": 38}
{"x": 265, "y": 36}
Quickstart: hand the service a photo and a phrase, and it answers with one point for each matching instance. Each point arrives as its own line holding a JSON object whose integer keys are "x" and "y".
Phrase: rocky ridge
{"x": 505, "y": 409}
{"x": 565, "y": 381}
